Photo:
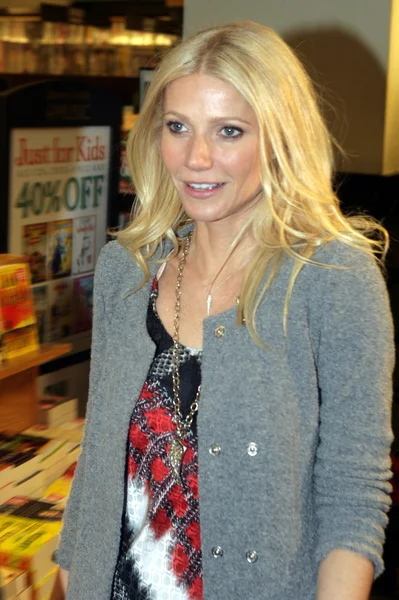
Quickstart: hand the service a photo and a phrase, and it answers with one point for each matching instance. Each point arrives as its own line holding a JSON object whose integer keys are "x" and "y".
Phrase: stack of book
{"x": 29, "y": 532}
{"x": 36, "y": 473}
{"x": 36, "y": 465}
{"x": 70, "y": 431}
{"x": 29, "y": 464}
{"x": 56, "y": 410}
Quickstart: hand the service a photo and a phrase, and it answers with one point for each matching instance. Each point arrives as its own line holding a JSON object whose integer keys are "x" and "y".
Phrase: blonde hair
{"x": 298, "y": 210}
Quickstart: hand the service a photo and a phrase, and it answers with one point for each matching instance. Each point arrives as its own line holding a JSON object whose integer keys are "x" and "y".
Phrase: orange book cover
{"x": 16, "y": 299}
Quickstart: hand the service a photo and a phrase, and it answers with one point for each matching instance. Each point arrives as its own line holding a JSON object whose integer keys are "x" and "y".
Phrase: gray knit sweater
{"x": 303, "y": 430}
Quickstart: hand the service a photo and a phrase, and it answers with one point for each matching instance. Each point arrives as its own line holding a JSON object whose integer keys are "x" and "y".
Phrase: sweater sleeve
{"x": 354, "y": 361}
{"x": 64, "y": 552}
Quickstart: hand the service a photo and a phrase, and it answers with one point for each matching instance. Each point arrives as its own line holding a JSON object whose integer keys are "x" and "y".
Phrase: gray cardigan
{"x": 303, "y": 430}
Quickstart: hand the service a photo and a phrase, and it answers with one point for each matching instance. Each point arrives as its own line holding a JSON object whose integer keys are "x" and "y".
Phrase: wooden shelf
{"x": 46, "y": 353}
{"x": 122, "y": 87}
{"x": 18, "y": 395}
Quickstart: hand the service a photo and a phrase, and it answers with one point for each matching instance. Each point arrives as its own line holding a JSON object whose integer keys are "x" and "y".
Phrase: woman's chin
{"x": 204, "y": 216}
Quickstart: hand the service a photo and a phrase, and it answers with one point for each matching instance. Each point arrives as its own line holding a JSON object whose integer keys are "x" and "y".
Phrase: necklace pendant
{"x": 177, "y": 450}
{"x": 208, "y": 304}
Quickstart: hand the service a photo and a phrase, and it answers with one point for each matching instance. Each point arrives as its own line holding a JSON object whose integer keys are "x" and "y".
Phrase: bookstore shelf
{"x": 18, "y": 394}
{"x": 125, "y": 87}
{"x": 46, "y": 353}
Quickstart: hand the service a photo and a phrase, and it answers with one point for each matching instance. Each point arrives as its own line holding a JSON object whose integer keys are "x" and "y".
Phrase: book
{"x": 35, "y": 249}
{"x": 59, "y": 256}
{"x": 27, "y": 594}
{"x": 58, "y": 492}
{"x": 61, "y": 314}
{"x": 19, "y": 342}
{"x": 21, "y": 506}
{"x": 16, "y": 300}
{"x": 30, "y": 473}
{"x": 12, "y": 582}
{"x": 20, "y": 445}
{"x": 44, "y": 589}
{"x": 73, "y": 455}
{"x": 29, "y": 463}
{"x": 18, "y": 329}
{"x": 33, "y": 486}
{"x": 71, "y": 431}
{"x": 19, "y": 456}
{"x": 29, "y": 531}
{"x": 36, "y": 484}
{"x": 83, "y": 303}
{"x": 84, "y": 246}
{"x": 55, "y": 410}
{"x": 6, "y": 491}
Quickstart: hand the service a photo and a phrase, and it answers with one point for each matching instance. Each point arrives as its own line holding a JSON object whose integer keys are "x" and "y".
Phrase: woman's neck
{"x": 211, "y": 249}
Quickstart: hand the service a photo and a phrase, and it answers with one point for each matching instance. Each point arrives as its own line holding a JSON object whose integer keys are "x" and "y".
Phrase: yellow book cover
{"x": 19, "y": 342}
{"x": 58, "y": 491}
{"x": 29, "y": 535}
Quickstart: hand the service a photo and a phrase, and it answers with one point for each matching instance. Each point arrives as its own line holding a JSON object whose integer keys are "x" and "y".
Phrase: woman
{"x": 254, "y": 459}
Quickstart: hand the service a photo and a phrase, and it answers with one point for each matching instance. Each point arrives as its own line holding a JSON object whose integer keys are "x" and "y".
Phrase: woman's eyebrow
{"x": 213, "y": 120}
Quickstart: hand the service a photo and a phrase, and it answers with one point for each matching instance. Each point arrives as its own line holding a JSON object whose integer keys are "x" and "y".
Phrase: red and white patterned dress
{"x": 160, "y": 552}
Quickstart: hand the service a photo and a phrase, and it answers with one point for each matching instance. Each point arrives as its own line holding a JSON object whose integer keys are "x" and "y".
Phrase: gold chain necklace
{"x": 177, "y": 447}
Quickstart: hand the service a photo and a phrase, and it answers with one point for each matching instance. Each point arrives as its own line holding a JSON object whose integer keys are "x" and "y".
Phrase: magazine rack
{"x": 18, "y": 395}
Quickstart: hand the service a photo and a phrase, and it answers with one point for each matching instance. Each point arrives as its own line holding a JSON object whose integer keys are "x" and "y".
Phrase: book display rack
{"x": 39, "y": 444}
{"x": 18, "y": 374}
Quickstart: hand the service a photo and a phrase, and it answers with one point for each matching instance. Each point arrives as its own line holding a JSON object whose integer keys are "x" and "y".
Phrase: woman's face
{"x": 210, "y": 147}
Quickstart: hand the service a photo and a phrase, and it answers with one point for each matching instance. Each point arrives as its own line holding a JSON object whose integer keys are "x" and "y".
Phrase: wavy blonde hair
{"x": 298, "y": 209}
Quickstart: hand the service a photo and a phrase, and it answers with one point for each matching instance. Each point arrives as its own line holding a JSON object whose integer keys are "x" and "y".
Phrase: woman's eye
{"x": 232, "y": 132}
{"x": 176, "y": 127}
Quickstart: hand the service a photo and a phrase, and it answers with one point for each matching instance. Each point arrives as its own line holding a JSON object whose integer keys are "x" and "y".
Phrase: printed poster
{"x": 59, "y": 186}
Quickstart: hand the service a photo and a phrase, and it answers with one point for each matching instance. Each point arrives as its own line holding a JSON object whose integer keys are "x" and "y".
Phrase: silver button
{"x": 252, "y": 449}
{"x": 220, "y": 331}
{"x": 217, "y": 552}
{"x": 252, "y": 556}
{"x": 215, "y": 450}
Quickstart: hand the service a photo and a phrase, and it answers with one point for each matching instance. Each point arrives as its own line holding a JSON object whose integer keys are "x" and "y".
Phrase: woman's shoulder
{"x": 341, "y": 270}
{"x": 336, "y": 253}
{"x": 112, "y": 255}
{"x": 116, "y": 266}
{"x": 338, "y": 270}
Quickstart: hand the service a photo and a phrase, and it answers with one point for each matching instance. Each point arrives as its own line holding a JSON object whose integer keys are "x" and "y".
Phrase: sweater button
{"x": 217, "y": 552}
{"x": 215, "y": 450}
{"x": 252, "y": 556}
{"x": 220, "y": 331}
{"x": 252, "y": 449}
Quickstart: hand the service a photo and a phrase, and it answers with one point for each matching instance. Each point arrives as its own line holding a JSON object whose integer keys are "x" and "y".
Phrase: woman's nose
{"x": 199, "y": 154}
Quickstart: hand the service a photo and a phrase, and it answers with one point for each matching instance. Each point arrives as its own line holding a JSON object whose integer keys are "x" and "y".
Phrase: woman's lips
{"x": 205, "y": 190}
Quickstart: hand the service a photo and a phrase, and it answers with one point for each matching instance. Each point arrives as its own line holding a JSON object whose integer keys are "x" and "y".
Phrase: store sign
{"x": 58, "y": 217}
